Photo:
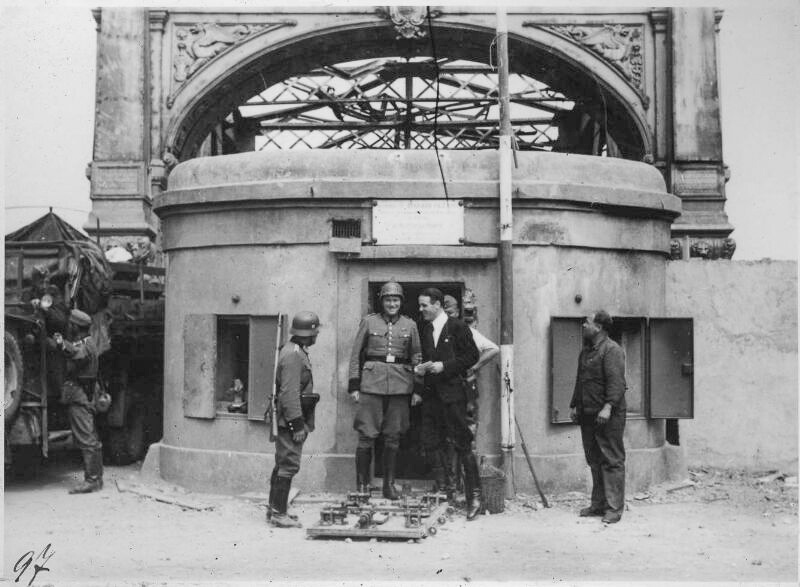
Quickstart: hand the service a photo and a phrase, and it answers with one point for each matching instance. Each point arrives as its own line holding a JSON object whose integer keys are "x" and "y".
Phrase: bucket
{"x": 493, "y": 489}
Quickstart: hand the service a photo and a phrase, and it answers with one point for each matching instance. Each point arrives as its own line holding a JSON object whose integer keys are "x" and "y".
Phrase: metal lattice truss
{"x": 392, "y": 103}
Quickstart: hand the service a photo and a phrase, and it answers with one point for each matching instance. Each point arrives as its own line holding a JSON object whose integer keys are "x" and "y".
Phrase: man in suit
{"x": 448, "y": 351}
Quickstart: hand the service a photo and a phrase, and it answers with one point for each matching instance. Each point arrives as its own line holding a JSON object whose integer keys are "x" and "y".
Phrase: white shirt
{"x": 438, "y": 324}
{"x": 483, "y": 343}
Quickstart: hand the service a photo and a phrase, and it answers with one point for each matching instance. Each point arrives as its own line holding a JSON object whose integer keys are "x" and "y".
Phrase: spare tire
{"x": 13, "y": 375}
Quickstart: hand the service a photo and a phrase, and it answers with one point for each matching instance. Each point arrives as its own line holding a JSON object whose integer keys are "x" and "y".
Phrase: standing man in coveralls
{"x": 76, "y": 390}
{"x": 294, "y": 413}
{"x": 448, "y": 351}
{"x": 598, "y": 405}
{"x": 381, "y": 379}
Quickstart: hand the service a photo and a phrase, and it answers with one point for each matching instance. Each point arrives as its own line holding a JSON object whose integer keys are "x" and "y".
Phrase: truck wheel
{"x": 13, "y": 376}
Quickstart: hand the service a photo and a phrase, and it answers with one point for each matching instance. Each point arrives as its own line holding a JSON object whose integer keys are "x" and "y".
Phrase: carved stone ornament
{"x": 619, "y": 44}
{"x": 711, "y": 248}
{"x": 197, "y": 44}
{"x": 675, "y": 250}
{"x": 408, "y": 20}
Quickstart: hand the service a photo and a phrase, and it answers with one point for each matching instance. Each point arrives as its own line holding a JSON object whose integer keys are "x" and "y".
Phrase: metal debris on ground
{"x": 163, "y": 496}
{"x": 360, "y": 516}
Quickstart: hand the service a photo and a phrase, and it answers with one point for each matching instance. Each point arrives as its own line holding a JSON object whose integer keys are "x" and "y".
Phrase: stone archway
{"x": 580, "y": 74}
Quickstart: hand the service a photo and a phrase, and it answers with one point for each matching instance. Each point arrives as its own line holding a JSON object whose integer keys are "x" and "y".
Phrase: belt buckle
{"x": 390, "y": 358}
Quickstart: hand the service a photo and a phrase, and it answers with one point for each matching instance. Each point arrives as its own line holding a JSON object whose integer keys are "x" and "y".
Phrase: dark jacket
{"x": 457, "y": 351}
{"x": 601, "y": 377}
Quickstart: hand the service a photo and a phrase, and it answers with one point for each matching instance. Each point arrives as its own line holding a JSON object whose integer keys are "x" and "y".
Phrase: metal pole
{"x": 507, "y": 432}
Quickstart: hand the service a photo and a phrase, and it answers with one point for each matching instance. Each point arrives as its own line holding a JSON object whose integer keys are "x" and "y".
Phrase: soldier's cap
{"x": 80, "y": 318}
{"x": 449, "y": 302}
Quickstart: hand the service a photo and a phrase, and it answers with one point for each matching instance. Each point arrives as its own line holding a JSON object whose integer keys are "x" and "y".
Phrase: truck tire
{"x": 13, "y": 376}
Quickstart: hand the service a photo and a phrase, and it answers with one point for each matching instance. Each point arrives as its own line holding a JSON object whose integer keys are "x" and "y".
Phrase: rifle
{"x": 273, "y": 404}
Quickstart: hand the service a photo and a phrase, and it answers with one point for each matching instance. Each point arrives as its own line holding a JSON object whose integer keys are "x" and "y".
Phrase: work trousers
{"x": 444, "y": 423}
{"x": 287, "y": 454}
{"x": 381, "y": 414}
{"x": 605, "y": 454}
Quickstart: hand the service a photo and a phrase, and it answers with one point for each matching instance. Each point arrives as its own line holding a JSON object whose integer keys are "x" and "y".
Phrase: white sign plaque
{"x": 418, "y": 222}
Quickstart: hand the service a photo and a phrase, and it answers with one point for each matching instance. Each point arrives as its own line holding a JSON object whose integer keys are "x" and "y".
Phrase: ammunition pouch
{"x": 308, "y": 404}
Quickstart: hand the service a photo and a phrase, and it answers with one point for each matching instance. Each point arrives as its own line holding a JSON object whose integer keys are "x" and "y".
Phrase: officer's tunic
{"x": 382, "y": 363}
{"x": 293, "y": 379}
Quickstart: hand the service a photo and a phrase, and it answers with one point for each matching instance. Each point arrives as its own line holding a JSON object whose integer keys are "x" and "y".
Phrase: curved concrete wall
{"x": 257, "y": 226}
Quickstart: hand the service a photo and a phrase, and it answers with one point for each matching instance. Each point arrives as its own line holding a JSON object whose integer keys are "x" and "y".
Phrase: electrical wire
{"x": 436, "y": 104}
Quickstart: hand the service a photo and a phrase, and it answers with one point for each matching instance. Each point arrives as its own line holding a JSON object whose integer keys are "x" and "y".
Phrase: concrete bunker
{"x": 254, "y": 237}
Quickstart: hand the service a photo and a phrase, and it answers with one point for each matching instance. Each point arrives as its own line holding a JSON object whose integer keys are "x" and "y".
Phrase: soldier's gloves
{"x": 353, "y": 384}
{"x": 299, "y": 436}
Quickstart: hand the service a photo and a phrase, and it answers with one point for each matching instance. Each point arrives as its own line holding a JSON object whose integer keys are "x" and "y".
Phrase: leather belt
{"x": 397, "y": 360}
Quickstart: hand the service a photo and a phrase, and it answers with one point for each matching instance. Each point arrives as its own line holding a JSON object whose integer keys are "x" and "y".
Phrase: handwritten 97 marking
{"x": 25, "y": 561}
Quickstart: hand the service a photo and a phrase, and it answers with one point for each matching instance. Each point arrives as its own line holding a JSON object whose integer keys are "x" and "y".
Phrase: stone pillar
{"x": 119, "y": 170}
{"x": 158, "y": 170}
{"x": 696, "y": 172}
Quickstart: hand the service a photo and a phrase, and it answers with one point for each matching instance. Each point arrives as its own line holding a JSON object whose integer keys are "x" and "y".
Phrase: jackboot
{"x": 437, "y": 471}
{"x": 389, "y": 462}
{"x": 280, "y": 499}
{"x": 363, "y": 464}
{"x": 448, "y": 458}
{"x": 472, "y": 485}
{"x": 92, "y": 472}
{"x": 271, "y": 504}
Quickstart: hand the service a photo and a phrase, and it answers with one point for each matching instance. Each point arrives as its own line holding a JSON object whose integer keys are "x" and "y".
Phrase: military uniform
{"x": 293, "y": 405}
{"x": 81, "y": 372}
{"x": 293, "y": 380}
{"x": 382, "y": 362}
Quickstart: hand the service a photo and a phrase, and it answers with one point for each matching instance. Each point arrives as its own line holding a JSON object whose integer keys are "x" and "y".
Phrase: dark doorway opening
{"x": 410, "y": 458}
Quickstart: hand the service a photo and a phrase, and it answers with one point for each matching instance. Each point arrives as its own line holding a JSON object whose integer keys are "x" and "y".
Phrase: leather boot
{"x": 92, "y": 472}
{"x": 271, "y": 504}
{"x": 363, "y": 464}
{"x": 437, "y": 472}
{"x": 389, "y": 462}
{"x": 280, "y": 500}
{"x": 449, "y": 487}
{"x": 472, "y": 485}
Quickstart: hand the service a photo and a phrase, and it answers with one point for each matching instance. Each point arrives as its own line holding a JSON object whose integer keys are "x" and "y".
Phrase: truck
{"x": 126, "y": 302}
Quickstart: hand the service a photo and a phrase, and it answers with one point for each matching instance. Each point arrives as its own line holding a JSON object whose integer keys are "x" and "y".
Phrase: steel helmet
{"x": 305, "y": 323}
{"x": 391, "y": 288}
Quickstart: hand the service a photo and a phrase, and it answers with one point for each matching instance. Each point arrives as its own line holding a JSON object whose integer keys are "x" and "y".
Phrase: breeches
{"x": 287, "y": 454}
{"x": 381, "y": 414}
{"x": 445, "y": 423}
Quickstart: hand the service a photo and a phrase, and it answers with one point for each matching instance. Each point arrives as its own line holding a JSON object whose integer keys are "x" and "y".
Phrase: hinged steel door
{"x": 671, "y": 359}
{"x": 565, "y": 347}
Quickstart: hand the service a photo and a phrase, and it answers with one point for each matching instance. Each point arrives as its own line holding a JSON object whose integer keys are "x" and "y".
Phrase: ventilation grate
{"x": 348, "y": 228}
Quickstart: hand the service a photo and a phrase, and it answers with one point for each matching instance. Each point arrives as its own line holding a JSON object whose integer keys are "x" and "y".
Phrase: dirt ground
{"x": 717, "y": 526}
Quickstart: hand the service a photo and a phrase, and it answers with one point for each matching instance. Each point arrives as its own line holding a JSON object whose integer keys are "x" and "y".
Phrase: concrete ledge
{"x": 230, "y": 472}
{"x": 416, "y": 252}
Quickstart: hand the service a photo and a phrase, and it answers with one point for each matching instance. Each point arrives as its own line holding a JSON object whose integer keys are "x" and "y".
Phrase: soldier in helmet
{"x": 78, "y": 386}
{"x": 294, "y": 414}
{"x": 381, "y": 379}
